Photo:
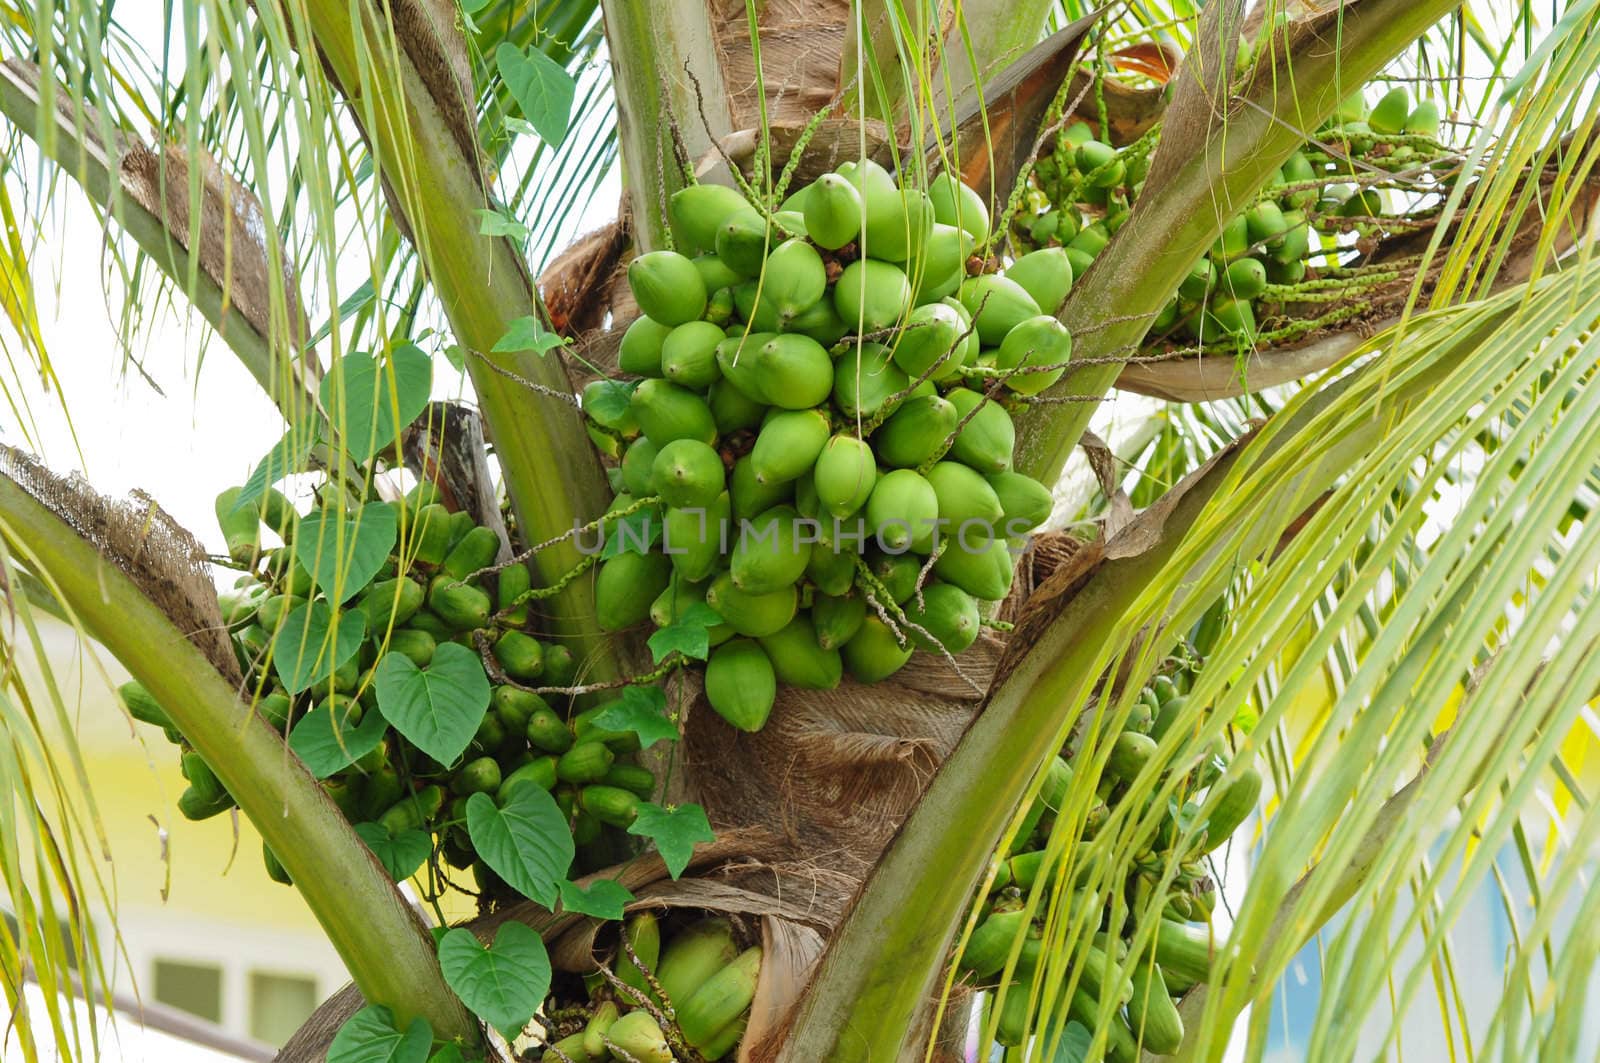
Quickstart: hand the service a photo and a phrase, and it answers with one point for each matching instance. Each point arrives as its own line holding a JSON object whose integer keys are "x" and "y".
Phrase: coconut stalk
{"x": 552, "y": 473}
{"x": 670, "y": 97}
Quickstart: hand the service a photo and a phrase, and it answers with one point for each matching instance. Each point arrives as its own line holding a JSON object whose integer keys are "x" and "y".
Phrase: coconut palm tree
{"x": 1374, "y": 529}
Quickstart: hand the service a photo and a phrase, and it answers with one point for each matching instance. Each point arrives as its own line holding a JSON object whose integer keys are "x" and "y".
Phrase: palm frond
{"x": 1451, "y": 624}
{"x": 134, "y": 582}
{"x": 53, "y": 848}
{"x": 1437, "y": 387}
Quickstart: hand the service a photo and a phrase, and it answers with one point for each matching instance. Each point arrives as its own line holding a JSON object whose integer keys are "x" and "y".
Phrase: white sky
{"x": 202, "y": 431}
{"x": 209, "y": 423}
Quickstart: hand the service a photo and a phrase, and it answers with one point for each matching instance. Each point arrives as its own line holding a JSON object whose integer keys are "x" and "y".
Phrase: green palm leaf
{"x": 1404, "y": 544}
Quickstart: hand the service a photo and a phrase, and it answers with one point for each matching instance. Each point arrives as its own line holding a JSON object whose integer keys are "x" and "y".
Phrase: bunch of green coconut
{"x": 1282, "y": 251}
{"x": 679, "y": 988}
{"x": 1009, "y": 942}
{"x": 820, "y": 447}
{"x": 348, "y": 693}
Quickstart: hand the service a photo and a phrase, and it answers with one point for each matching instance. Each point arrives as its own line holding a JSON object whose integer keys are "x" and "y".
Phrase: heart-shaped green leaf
{"x": 634, "y": 534}
{"x": 308, "y": 647}
{"x": 498, "y": 223}
{"x": 527, "y": 334}
{"x": 438, "y": 708}
{"x": 369, "y": 401}
{"x": 642, "y": 710}
{"x": 689, "y": 634}
{"x": 370, "y": 1036}
{"x": 541, "y": 87}
{"x": 604, "y": 899}
{"x": 400, "y": 854}
{"x": 527, "y": 843}
{"x": 503, "y": 984}
{"x": 328, "y": 743}
{"x": 674, "y": 829}
{"x": 1074, "y": 1044}
{"x": 608, "y": 401}
{"x": 342, "y": 553}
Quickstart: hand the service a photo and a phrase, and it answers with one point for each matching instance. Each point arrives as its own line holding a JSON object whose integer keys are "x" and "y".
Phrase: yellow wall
{"x": 221, "y": 909}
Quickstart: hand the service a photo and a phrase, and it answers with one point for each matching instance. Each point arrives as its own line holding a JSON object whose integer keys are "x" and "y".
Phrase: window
{"x": 279, "y": 1003}
{"x": 192, "y": 987}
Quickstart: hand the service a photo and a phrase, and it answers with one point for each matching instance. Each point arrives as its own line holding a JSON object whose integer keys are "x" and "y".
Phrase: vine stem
{"x": 634, "y": 995}
{"x": 896, "y": 620}
{"x": 665, "y": 668}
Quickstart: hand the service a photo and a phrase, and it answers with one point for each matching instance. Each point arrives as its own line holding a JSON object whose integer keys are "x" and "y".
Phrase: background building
{"x": 202, "y": 929}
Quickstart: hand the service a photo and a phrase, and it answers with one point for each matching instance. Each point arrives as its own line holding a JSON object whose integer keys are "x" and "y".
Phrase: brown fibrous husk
{"x": 141, "y": 539}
